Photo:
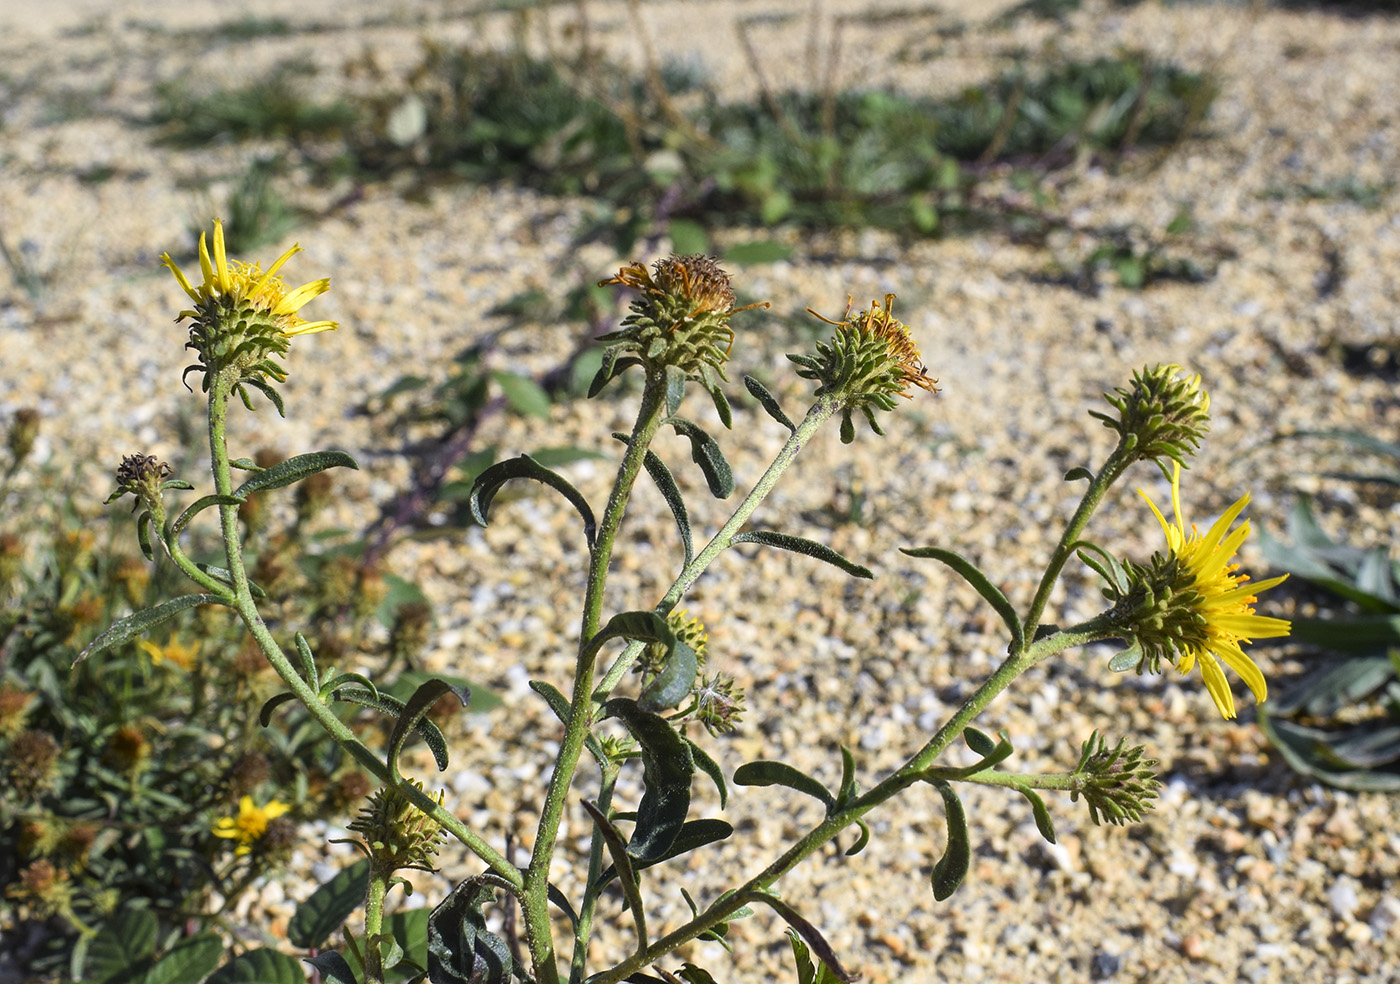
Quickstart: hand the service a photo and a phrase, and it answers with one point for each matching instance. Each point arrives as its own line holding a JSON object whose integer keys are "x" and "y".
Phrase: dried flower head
{"x": 1163, "y": 415}
{"x": 14, "y": 708}
{"x": 1189, "y": 603}
{"x": 719, "y": 703}
{"x": 869, "y": 360}
{"x": 680, "y": 318}
{"x": 242, "y": 316}
{"x": 250, "y": 824}
{"x": 30, "y": 762}
{"x": 397, "y": 834}
{"x": 145, "y": 477}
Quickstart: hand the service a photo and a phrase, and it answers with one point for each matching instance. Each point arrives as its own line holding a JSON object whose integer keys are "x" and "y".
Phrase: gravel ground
{"x": 1243, "y": 872}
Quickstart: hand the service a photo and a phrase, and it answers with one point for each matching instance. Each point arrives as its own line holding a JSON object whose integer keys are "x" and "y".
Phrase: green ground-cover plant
{"x": 646, "y": 694}
{"x": 128, "y": 786}
{"x": 1340, "y": 723}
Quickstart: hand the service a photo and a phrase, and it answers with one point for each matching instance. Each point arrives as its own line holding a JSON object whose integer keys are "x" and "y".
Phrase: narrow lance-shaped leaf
{"x": 808, "y": 548}
{"x": 769, "y": 403}
{"x": 769, "y": 773}
{"x": 489, "y": 482}
{"x": 427, "y": 730}
{"x": 809, "y": 933}
{"x": 706, "y": 453}
{"x": 711, "y": 768}
{"x": 294, "y": 470}
{"x": 694, "y": 834}
{"x": 622, "y": 869}
{"x": 973, "y": 576}
{"x": 951, "y": 869}
{"x": 308, "y": 662}
{"x": 642, "y": 626}
{"x": 332, "y": 968}
{"x": 1043, "y": 823}
{"x": 559, "y": 704}
{"x": 667, "y": 768}
{"x": 675, "y": 388}
{"x": 661, "y": 475}
{"x": 195, "y": 508}
{"x": 139, "y": 622}
{"x": 415, "y": 712}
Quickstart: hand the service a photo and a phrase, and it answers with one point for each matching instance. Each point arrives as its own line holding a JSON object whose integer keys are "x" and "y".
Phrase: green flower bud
{"x": 1118, "y": 784}
{"x": 1162, "y": 416}
{"x": 397, "y": 834}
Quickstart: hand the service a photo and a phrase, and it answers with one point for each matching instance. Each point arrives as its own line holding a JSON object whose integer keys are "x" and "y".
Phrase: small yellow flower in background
{"x": 251, "y": 823}
{"x": 176, "y": 652}
{"x": 1197, "y": 607}
{"x": 243, "y": 315}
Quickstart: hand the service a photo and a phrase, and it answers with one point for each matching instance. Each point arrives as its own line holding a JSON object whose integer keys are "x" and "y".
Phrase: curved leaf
{"x": 951, "y": 869}
{"x": 415, "y": 713}
{"x": 143, "y": 535}
{"x": 675, "y": 681}
{"x": 973, "y": 576}
{"x": 427, "y": 730}
{"x": 1043, "y": 823}
{"x": 706, "y": 453}
{"x": 694, "y": 834}
{"x": 711, "y": 768}
{"x": 489, "y": 482}
{"x": 559, "y": 704}
{"x": 332, "y": 967}
{"x": 850, "y": 787}
{"x": 138, "y": 622}
{"x": 621, "y": 869}
{"x": 769, "y": 403}
{"x": 326, "y": 909}
{"x": 308, "y": 662}
{"x": 197, "y": 507}
{"x": 294, "y": 470}
{"x": 667, "y": 768}
{"x": 126, "y": 942}
{"x": 861, "y": 841}
{"x": 642, "y": 626}
{"x": 809, "y": 933}
{"x": 809, "y": 548}
{"x": 661, "y": 475}
{"x": 461, "y": 950}
{"x": 272, "y": 703}
{"x": 768, "y": 773}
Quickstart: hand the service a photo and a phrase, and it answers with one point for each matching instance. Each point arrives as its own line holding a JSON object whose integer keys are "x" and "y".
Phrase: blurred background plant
{"x": 139, "y": 797}
{"x": 1340, "y": 722}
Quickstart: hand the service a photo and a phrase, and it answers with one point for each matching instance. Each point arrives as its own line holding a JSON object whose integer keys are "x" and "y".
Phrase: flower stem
{"x": 819, "y": 413}
{"x": 242, "y": 602}
{"x": 374, "y": 922}
{"x": 534, "y": 898}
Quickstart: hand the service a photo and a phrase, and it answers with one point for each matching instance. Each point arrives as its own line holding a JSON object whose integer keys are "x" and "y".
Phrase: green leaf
{"x": 189, "y": 960}
{"x": 226, "y": 576}
{"x": 667, "y": 768}
{"x": 721, "y": 402}
{"x": 327, "y": 908}
{"x": 460, "y": 948}
{"x": 415, "y": 713}
{"x": 489, "y": 482}
{"x": 768, "y": 773}
{"x": 1075, "y": 474}
{"x": 1043, "y": 823}
{"x": 294, "y": 470}
{"x": 642, "y": 626}
{"x": 675, "y": 388}
{"x": 143, "y": 535}
{"x": 143, "y": 621}
{"x": 809, "y": 548}
{"x": 260, "y": 967}
{"x": 861, "y": 841}
{"x": 707, "y": 454}
{"x": 661, "y": 475}
{"x": 1334, "y": 687}
{"x": 197, "y": 507}
{"x": 308, "y": 662}
{"x": 622, "y": 868}
{"x": 711, "y": 768}
{"x": 951, "y": 869}
{"x": 427, "y": 730}
{"x": 1360, "y": 634}
{"x": 769, "y": 402}
{"x": 410, "y": 680}
{"x": 400, "y": 592}
{"x": 333, "y": 968}
{"x": 559, "y": 704}
{"x": 850, "y": 788}
{"x": 692, "y": 974}
{"x": 675, "y": 681}
{"x": 523, "y": 394}
{"x": 271, "y": 704}
{"x": 973, "y": 576}
{"x": 409, "y": 927}
{"x": 694, "y": 834}
{"x": 125, "y": 943}
{"x": 758, "y": 251}
{"x": 807, "y": 973}
{"x": 1310, "y": 751}
{"x": 809, "y": 933}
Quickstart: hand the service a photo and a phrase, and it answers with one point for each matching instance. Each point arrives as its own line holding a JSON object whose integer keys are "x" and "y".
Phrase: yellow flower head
{"x": 243, "y": 315}
{"x": 1190, "y": 603}
{"x": 251, "y": 823}
{"x": 179, "y": 654}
